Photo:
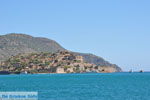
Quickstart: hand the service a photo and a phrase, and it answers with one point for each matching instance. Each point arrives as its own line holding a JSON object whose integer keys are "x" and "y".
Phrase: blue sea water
{"x": 114, "y": 86}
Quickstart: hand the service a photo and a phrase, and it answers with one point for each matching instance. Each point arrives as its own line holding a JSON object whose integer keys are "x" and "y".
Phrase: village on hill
{"x": 59, "y": 62}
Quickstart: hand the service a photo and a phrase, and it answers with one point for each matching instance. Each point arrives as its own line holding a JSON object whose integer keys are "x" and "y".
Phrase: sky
{"x": 117, "y": 30}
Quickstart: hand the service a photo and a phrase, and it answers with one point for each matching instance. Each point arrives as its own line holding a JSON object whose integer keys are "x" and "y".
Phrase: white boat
{"x": 25, "y": 72}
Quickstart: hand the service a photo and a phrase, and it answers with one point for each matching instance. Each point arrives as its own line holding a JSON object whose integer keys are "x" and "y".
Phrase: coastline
{"x": 78, "y": 73}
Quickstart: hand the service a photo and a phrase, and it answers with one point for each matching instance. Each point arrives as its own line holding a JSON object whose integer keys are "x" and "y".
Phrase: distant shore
{"x": 6, "y": 73}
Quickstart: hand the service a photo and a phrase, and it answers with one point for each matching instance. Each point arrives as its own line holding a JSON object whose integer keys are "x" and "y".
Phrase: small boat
{"x": 130, "y": 71}
{"x": 25, "y": 72}
{"x": 141, "y": 71}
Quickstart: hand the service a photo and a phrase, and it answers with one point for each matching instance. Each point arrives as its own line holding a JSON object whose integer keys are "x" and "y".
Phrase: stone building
{"x": 70, "y": 70}
{"x": 79, "y": 58}
{"x": 60, "y": 70}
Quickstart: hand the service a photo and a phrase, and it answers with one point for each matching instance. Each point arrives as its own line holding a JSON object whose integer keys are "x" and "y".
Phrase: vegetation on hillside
{"x": 59, "y": 62}
{"x": 14, "y": 44}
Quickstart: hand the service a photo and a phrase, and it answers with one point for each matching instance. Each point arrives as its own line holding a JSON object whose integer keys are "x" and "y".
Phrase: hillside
{"x": 59, "y": 62}
{"x": 14, "y": 44}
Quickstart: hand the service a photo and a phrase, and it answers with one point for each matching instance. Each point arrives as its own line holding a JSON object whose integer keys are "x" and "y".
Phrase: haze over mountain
{"x": 13, "y": 44}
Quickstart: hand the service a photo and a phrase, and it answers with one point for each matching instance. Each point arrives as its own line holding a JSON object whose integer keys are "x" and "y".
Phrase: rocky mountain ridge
{"x": 14, "y": 44}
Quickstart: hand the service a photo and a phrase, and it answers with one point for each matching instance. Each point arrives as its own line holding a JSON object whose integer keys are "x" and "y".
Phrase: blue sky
{"x": 117, "y": 30}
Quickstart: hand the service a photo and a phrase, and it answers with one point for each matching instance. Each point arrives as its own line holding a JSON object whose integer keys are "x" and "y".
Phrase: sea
{"x": 86, "y": 86}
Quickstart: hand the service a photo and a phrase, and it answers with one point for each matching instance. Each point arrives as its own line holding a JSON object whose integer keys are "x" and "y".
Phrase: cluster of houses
{"x": 78, "y": 65}
{"x": 60, "y": 62}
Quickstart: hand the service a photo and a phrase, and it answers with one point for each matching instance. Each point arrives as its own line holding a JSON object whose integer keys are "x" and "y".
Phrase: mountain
{"x": 14, "y": 44}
